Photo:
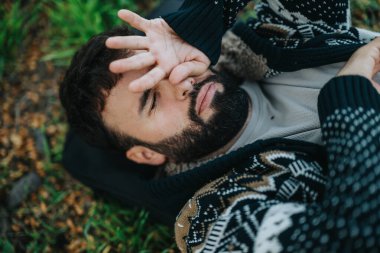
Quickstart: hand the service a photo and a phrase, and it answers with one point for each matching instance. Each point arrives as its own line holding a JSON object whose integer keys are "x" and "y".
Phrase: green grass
{"x": 101, "y": 225}
{"x": 64, "y": 215}
{"x": 74, "y": 22}
{"x": 366, "y": 14}
{"x": 15, "y": 22}
{"x": 49, "y": 219}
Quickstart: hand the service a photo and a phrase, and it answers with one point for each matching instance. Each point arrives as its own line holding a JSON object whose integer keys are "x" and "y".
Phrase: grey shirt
{"x": 286, "y": 106}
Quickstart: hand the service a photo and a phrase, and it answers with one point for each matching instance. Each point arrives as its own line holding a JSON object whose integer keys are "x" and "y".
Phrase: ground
{"x": 62, "y": 215}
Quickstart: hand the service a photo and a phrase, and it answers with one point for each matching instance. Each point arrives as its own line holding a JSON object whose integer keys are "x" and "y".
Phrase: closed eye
{"x": 154, "y": 102}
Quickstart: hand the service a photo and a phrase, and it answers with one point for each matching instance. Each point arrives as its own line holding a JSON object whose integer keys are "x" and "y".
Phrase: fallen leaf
{"x": 16, "y": 140}
{"x": 78, "y": 210}
{"x": 107, "y": 249}
{"x": 71, "y": 225}
{"x": 16, "y": 228}
{"x": 43, "y": 207}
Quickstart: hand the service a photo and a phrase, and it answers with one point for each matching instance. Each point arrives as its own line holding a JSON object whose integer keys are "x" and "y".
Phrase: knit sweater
{"x": 279, "y": 200}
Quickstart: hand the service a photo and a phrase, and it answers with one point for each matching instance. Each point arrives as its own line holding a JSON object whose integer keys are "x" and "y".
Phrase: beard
{"x": 202, "y": 138}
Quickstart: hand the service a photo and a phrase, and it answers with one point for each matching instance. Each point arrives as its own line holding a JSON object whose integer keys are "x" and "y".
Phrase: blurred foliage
{"x": 16, "y": 22}
{"x": 365, "y": 4}
{"x": 366, "y": 14}
{"x": 63, "y": 215}
{"x": 74, "y": 22}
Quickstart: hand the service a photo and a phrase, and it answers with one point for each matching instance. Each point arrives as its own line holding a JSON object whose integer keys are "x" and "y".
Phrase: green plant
{"x": 73, "y": 22}
{"x": 366, "y": 14}
{"x": 15, "y": 24}
{"x": 127, "y": 230}
{"x": 6, "y": 246}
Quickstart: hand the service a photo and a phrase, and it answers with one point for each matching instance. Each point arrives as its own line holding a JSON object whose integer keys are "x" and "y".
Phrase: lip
{"x": 205, "y": 97}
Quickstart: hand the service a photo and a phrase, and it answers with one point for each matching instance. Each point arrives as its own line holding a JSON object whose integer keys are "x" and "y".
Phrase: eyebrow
{"x": 143, "y": 100}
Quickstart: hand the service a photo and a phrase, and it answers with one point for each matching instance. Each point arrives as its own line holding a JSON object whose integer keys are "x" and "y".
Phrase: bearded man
{"x": 194, "y": 129}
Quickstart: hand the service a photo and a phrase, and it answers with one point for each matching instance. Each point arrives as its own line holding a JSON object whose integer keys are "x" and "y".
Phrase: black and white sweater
{"x": 281, "y": 200}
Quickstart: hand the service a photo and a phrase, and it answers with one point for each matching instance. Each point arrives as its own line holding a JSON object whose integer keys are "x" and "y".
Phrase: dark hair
{"x": 87, "y": 84}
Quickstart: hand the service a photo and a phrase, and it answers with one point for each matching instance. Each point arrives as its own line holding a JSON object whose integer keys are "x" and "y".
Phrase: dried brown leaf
{"x": 43, "y": 207}
{"x": 107, "y": 249}
{"x": 79, "y": 211}
{"x": 16, "y": 140}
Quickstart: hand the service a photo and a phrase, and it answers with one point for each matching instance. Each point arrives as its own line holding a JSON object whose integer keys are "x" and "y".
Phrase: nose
{"x": 183, "y": 89}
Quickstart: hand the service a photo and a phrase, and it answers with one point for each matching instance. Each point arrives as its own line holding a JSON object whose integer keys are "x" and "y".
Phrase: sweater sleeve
{"x": 347, "y": 91}
{"x": 202, "y": 23}
{"x": 347, "y": 219}
{"x": 328, "y": 12}
{"x": 349, "y": 109}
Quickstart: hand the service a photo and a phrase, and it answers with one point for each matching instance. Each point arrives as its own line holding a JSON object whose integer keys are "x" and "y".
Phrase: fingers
{"x": 364, "y": 61}
{"x": 129, "y": 42}
{"x": 135, "y": 62}
{"x": 372, "y": 52}
{"x": 134, "y": 19}
{"x": 187, "y": 69}
{"x": 148, "y": 81}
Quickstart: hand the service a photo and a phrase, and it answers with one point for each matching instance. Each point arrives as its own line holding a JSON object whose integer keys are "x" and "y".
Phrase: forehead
{"x": 121, "y": 105}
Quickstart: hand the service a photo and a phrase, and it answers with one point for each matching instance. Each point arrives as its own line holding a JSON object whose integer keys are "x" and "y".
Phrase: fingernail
{"x": 112, "y": 66}
{"x": 121, "y": 11}
{"x": 107, "y": 41}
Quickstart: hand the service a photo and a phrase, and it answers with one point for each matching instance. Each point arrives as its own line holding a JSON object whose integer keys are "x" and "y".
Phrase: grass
{"x": 15, "y": 23}
{"x": 63, "y": 215}
{"x": 73, "y": 22}
{"x": 366, "y": 14}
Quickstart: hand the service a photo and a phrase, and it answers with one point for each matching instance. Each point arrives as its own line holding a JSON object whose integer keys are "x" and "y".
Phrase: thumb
{"x": 187, "y": 69}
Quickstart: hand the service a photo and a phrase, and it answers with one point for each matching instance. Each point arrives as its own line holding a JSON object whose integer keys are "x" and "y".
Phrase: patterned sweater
{"x": 281, "y": 200}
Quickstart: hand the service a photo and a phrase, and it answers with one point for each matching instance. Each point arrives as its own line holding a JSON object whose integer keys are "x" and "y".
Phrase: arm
{"x": 198, "y": 22}
{"x": 202, "y": 23}
{"x": 349, "y": 109}
{"x": 346, "y": 219}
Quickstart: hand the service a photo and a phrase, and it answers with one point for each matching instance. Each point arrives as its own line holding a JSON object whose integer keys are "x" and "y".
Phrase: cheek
{"x": 171, "y": 120}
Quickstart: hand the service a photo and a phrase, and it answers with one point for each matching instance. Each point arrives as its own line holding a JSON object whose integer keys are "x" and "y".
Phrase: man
{"x": 277, "y": 126}
{"x": 176, "y": 189}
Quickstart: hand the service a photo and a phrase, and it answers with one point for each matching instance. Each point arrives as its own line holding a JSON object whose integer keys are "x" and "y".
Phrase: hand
{"x": 167, "y": 54}
{"x": 365, "y": 62}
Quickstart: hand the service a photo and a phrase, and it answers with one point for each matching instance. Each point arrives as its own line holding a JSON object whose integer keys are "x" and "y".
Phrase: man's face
{"x": 184, "y": 122}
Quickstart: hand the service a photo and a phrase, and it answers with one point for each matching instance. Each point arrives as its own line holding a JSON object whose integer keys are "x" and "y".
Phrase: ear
{"x": 141, "y": 154}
